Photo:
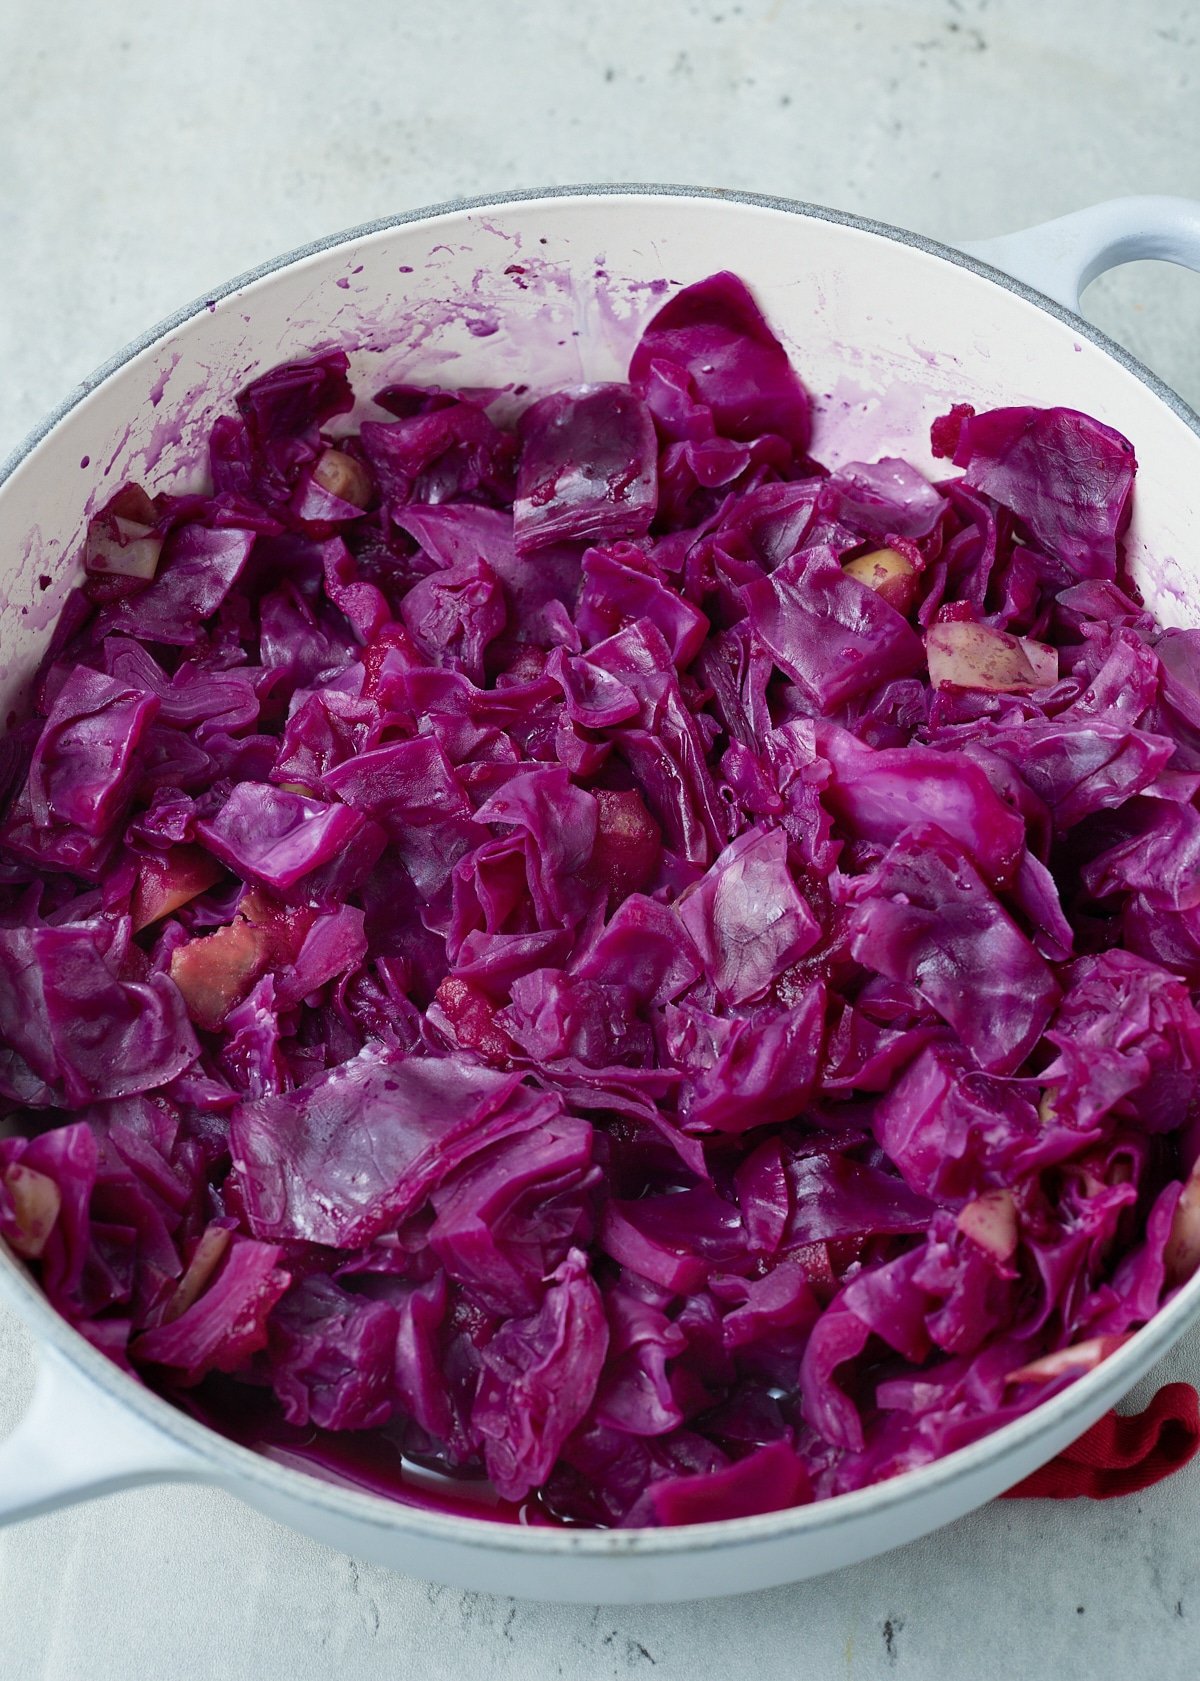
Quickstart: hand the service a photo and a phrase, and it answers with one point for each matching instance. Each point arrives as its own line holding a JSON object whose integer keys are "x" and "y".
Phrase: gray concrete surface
{"x": 149, "y": 151}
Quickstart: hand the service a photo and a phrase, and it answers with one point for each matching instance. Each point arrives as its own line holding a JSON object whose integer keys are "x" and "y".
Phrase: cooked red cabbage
{"x": 603, "y": 960}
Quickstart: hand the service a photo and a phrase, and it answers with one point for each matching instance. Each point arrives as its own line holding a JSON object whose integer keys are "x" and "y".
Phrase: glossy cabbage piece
{"x": 588, "y": 468}
{"x": 747, "y": 919}
{"x": 877, "y": 794}
{"x": 278, "y": 837}
{"x": 73, "y": 1030}
{"x": 1066, "y": 477}
{"x": 712, "y": 349}
{"x": 926, "y": 918}
{"x": 598, "y": 957}
{"x": 359, "y": 1147}
{"x": 198, "y": 568}
{"x": 835, "y": 637}
{"x": 82, "y": 774}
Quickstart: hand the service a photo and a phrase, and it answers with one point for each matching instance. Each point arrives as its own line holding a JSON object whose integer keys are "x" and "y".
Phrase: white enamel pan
{"x": 887, "y": 329}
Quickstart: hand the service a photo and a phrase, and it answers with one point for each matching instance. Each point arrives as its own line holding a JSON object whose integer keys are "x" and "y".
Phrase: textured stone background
{"x": 147, "y": 152}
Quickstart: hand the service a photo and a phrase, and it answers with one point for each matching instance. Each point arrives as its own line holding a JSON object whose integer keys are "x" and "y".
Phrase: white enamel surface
{"x": 886, "y": 335}
{"x": 1061, "y": 258}
{"x": 76, "y": 1442}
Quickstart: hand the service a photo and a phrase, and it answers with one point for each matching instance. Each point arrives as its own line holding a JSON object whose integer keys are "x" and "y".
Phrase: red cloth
{"x": 1122, "y": 1453}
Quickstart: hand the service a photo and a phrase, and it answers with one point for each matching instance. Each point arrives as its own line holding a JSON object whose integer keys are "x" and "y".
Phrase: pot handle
{"x": 75, "y": 1443}
{"x": 1060, "y": 259}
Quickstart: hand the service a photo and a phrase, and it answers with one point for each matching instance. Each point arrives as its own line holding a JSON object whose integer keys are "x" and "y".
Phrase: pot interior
{"x": 530, "y": 294}
{"x": 516, "y": 297}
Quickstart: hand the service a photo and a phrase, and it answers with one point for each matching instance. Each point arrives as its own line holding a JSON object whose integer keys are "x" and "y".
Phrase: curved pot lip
{"x": 224, "y": 1461}
{"x": 229, "y": 1464}
{"x": 630, "y": 190}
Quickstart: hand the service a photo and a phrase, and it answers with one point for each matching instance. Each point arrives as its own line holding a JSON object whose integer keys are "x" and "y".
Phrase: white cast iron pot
{"x": 887, "y": 329}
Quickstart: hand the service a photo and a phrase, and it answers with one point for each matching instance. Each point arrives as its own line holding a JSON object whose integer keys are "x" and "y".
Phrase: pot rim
{"x": 219, "y": 1454}
{"x": 597, "y": 190}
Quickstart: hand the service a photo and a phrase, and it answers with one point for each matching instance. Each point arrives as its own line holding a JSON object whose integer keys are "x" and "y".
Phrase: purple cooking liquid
{"x": 365, "y": 1460}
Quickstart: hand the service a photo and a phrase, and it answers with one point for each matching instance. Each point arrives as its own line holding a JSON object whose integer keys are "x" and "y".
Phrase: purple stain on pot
{"x": 420, "y": 334}
{"x": 158, "y": 389}
{"x": 41, "y": 595}
{"x": 511, "y": 236}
